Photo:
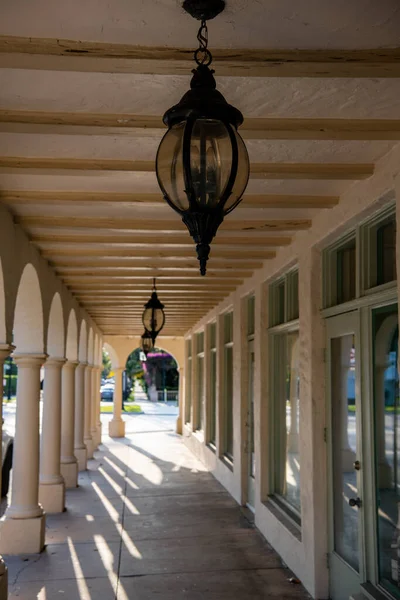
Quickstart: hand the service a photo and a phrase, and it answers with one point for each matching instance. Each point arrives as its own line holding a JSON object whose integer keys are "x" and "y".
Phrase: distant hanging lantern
{"x": 202, "y": 163}
{"x": 153, "y": 316}
{"x": 146, "y": 343}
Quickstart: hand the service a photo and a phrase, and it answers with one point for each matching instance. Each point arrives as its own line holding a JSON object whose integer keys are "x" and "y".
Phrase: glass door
{"x": 344, "y": 436}
{"x": 250, "y": 431}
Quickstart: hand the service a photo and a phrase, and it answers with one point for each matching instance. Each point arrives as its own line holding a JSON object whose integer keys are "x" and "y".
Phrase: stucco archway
{"x": 83, "y": 341}
{"x": 28, "y": 314}
{"x": 55, "y": 334}
{"x": 71, "y": 349}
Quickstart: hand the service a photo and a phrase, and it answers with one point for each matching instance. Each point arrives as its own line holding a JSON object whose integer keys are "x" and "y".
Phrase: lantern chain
{"x": 202, "y": 55}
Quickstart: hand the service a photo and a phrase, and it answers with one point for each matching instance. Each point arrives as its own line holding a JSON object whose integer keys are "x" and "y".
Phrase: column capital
{"x": 71, "y": 364}
{"x": 5, "y": 350}
{"x": 33, "y": 360}
{"x": 81, "y": 363}
{"x": 54, "y": 362}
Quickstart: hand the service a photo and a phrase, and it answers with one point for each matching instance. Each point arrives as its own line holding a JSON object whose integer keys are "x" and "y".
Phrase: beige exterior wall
{"x": 305, "y": 554}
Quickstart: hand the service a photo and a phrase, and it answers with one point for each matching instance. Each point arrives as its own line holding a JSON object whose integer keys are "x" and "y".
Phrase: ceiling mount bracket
{"x": 203, "y": 10}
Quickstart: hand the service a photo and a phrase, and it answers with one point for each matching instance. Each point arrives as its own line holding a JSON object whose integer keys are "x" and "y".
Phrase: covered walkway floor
{"x": 147, "y": 521}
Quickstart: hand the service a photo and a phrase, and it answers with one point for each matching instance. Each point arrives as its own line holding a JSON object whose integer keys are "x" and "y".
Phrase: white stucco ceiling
{"x": 93, "y": 221}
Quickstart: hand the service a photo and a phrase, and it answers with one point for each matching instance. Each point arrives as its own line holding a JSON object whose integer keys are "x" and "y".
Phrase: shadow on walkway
{"x": 148, "y": 522}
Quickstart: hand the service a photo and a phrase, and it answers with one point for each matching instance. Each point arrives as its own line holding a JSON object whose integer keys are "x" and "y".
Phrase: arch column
{"x": 87, "y": 437}
{"x": 93, "y": 412}
{"x": 181, "y": 400}
{"x": 80, "y": 449}
{"x": 51, "y": 483}
{"x": 23, "y": 526}
{"x": 5, "y": 351}
{"x": 116, "y": 427}
{"x": 69, "y": 463}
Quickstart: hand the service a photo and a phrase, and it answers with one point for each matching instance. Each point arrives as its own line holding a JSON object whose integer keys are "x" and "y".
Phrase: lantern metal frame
{"x": 203, "y": 101}
{"x": 153, "y": 304}
{"x": 146, "y": 342}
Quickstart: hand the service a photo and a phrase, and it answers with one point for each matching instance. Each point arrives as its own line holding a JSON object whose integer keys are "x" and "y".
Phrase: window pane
{"x": 280, "y": 303}
{"x": 250, "y": 315}
{"x": 386, "y": 252}
{"x": 228, "y": 327}
{"x": 213, "y": 397}
{"x": 346, "y": 273}
{"x": 200, "y": 342}
{"x": 200, "y": 392}
{"x": 228, "y": 375}
{"x": 213, "y": 335}
{"x": 287, "y": 480}
{"x": 188, "y": 391}
{"x": 293, "y": 285}
{"x": 387, "y": 449}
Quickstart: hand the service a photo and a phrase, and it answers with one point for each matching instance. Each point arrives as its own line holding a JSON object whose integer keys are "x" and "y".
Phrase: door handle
{"x": 355, "y": 502}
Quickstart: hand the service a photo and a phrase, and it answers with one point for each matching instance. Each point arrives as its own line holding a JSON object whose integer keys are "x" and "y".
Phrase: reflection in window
{"x": 188, "y": 382}
{"x": 387, "y": 446}
{"x": 287, "y": 475}
{"x": 213, "y": 384}
{"x": 228, "y": 385}
{"x": 344, "y": 446}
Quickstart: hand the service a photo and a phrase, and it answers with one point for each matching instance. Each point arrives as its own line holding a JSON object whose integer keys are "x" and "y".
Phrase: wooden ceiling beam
{"x": 137, "y": 241}
{"x": 192, "y": 268}
{"x": 67, "y": 123}
{"x": 146, "y": 263}
{"x": 175, "y": 278}
{"x": 281, "y": 201}
{"x": 170, "y": 225}
{"x": 72, "y": 55}
{"x": 55, "y": 254}
{"x": 53, "y": 166}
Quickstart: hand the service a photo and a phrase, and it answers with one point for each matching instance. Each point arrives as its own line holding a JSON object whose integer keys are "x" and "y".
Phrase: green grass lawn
{"x": 129, "y": 408}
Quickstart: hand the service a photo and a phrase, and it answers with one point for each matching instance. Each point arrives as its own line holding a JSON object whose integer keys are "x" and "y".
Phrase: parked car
{"x": 7, "y": 456}
{"x": 107, "y": 391}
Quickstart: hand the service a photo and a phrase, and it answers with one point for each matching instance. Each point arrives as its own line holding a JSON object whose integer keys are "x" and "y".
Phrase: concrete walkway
{"x": 148, "y": 522}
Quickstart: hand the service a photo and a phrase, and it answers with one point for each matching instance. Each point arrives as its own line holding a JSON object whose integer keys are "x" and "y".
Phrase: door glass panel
{"x": 200, "y": 391}
{"x": 252, "y": 469}
{"x": 287, "y": 475}
{"x": 387, "y": 445}
{"x": 344, "y": 434}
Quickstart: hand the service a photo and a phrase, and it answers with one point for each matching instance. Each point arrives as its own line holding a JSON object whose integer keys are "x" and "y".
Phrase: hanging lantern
{"x": 202, "y": 163}
{"x": 146, "y": 343}
{"x": 153, "y": 316}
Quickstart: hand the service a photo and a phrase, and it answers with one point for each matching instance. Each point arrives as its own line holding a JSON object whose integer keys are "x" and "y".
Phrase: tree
{"x": 106, "y": 365}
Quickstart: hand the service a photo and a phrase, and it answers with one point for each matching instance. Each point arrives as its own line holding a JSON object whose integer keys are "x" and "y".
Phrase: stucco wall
{"x": 306, "y": 556}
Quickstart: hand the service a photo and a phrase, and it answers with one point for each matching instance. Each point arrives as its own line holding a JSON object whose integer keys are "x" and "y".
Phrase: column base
{"x": 52, "y": 497}
{"x": 69, "y": 471}
{"x": 81, "y": 457}
{"x": 3, "y": 580}
{"x": 179, "y": 425}
{"x": 116, "y": 428}
{"x": 89, "y": 447}
{"x": 22, "y": 536}
{"x": 99, "y": 432}
{"x": 93, "y": 433}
